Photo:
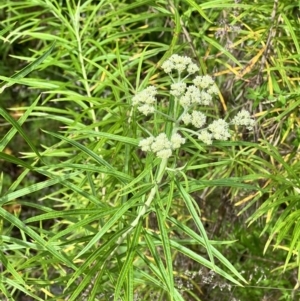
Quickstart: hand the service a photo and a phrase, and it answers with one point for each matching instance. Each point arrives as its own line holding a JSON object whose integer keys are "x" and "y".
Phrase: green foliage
{"x": 85, "y": 214}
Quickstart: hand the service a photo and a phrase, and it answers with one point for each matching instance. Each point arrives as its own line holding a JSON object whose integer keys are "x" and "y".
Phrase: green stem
{"x": 159, "y": 175}
{"x": 143, "y": 210}
{"x": 81, "y": 60}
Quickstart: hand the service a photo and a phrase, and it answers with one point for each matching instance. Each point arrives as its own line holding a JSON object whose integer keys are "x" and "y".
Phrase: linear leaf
{"x": 29, "y": 68}
{"x": 166, "y": 247}
{"x": 14, "y": 160}
{"x": 20, "y": 225}
{"x": 127, "y": 265}
{"x": 85, "y": 150}
{"x": 6, "y": 29}
{"x": 191, "y": 254}
{"x": 199, "y": 240}
{"x": 190, "y": 206}
{"x": 122, "y": 210}
{"x": 35, "y": 187}
{"x": 160, "y": 269}
{"x": 16, "y": 125}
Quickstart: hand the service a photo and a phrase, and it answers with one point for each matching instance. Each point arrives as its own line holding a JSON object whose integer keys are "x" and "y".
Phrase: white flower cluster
{"x": 243, "y": 118}
{"x": 179, "y": 63}
{"x": 161, "y": 145}
{"x": 177, "y": 89}
{"x": 200, "y": 93}
{"x": 145, "y": 100}
{"x": 218, "y": 129}
{"x": 197, "y": 119}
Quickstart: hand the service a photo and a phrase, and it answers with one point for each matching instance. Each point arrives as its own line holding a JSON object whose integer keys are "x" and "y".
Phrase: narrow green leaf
{"x": 16, "y": 125}
{"x": 6, "y": 29}
{"x": 199, "y": 9}
{"x": 291, "y": 31}
{"x": 145, "y": 277}
{"x": 89, "y": 167}
{"x": 89, "y": 276}
{"x": 127, "y": 265}
{"x": 20, "y": 225}
{"x": 29, "y": 68}
{"x": 147, "y": 170}
{"x": 130, "y": 284}
{"x": 122, "y": 210}
{"x": 13, "y": 272}
{"x": 11, "y": 133}
{"x": 99, "y": 256}
{"x": 190, "y": 206}
{"x": 148, "y": 276}
{"x": 124, "y": 139}
{"x": 189, "y": 232}
{"x": 19, "y": 287}
{"x": 3, "y": 288}
{"x": 85, "y": 150}
{"x": 81, "y": 224}
{"x": 14, "y": 160}
{"x": 191, "y": 254}
{"x": 176, "y": 34}
{"x": 75, "y": 188}
{"x": 166, "y": 247}
{"x": 222, "y": 49}
{"x": 294, "y": 244}
{"x": 161, "y": 272}
{"x": 31, "y": 82}
{"x": 35, "y": 187}
{"x": 15, "y": 243}
{"x": 64, "y": 214}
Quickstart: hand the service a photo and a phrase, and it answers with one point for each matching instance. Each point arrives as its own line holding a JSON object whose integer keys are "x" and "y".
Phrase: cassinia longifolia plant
{"x": 185, "y": 115}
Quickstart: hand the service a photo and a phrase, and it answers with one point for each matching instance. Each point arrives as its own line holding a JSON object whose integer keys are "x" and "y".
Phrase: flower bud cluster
{"x": 161, "y": 145}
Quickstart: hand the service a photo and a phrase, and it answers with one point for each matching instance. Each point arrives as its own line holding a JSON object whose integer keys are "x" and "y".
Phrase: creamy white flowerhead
{"x": 192, "y": 96}
{"x": 179, "y": 63}
{"x": 205, "y": 137}
{"x": 219, "y": 129}
{"x": 145, "y": 96}
{"x": 244, "y": 118}
{"x": 198, "y": 119}
{"x": 205, "y": 98}
{"x": 192, "y": 68}
{"x": 161, "y": 145}
{"x": 177, "y": 141}
{"x": 146, "y": 143}
{"x": 186, "y": 118}
{"x": 177, "y": 89}
{"x": 161, "y": 142}
{"x": 146, "y": 109}
{"x": 164, "y": 153}
{"x": 203, "y": 82}
{"x": 145, "y": 100}
{"x": 185, "y": 101}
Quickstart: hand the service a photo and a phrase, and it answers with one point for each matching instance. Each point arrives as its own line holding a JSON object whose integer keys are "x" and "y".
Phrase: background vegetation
{"x": 72, "y": 176}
